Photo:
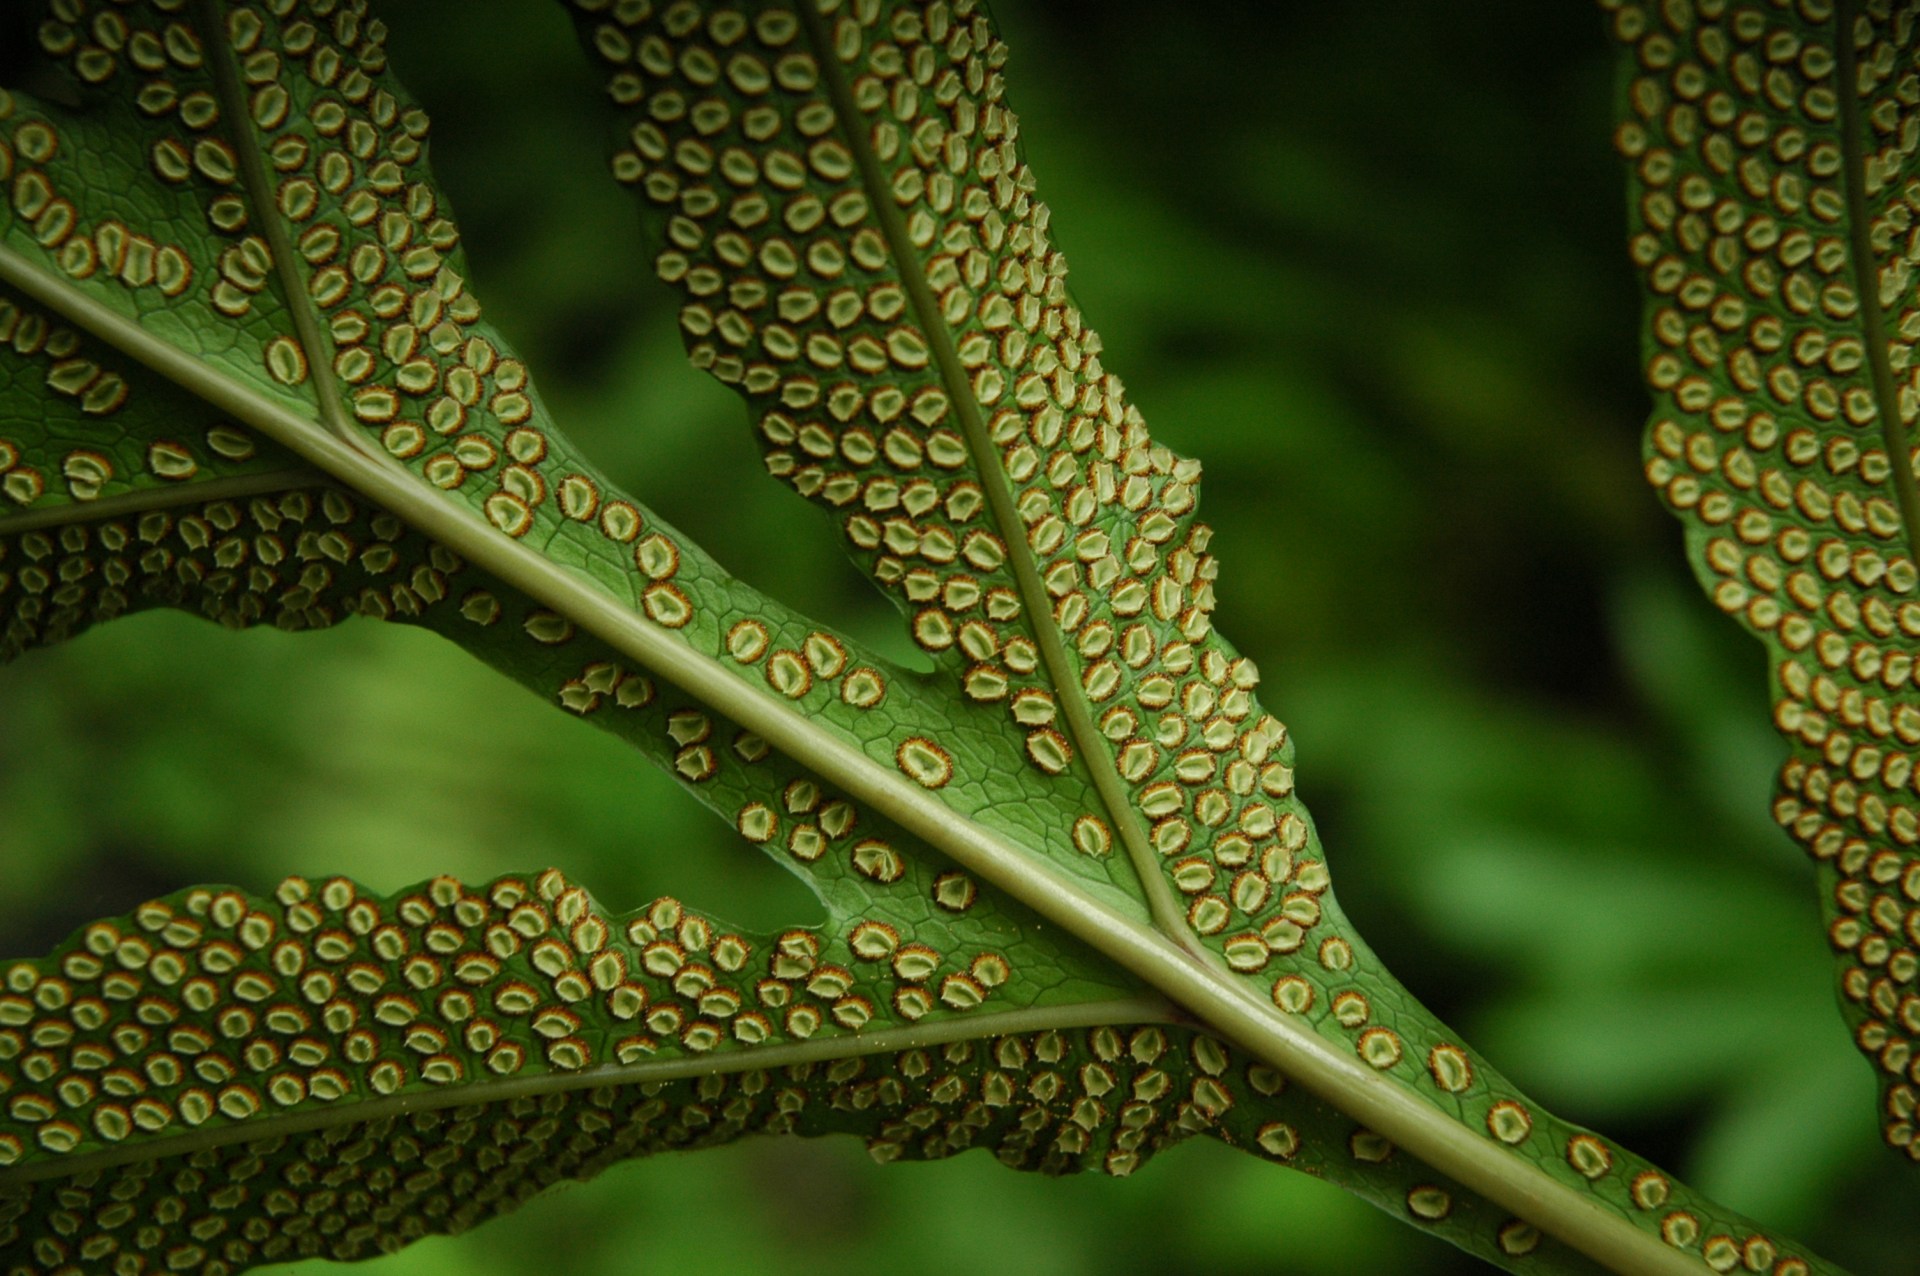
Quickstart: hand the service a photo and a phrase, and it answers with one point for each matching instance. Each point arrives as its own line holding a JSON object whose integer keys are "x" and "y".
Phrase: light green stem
{"x": 1204, "y": 989}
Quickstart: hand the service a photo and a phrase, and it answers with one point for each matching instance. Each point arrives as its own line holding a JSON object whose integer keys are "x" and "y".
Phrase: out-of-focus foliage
{"x": 1363, "y": 263}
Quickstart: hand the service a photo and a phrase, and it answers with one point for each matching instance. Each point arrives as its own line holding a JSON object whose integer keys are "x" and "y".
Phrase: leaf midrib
{"x": 265, "y": 215}
{"x": 1091, "y": 1014}
{"x": 1866, "y": 284}
{"x": 1168, "y": 913}
{"x": 140, "y": 501}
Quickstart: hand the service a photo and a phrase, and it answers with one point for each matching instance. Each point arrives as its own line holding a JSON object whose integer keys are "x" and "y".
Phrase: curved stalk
{"x": 1204, "y": 990}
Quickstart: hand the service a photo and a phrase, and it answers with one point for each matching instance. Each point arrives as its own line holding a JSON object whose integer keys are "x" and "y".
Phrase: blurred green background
{"x": 1365, "y": 262}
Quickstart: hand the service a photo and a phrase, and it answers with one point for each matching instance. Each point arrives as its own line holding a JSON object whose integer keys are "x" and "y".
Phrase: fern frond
{"x": 332, "y": 1073}
{"x": 1773, "y": 222}
{"x": 1082, "y": 821}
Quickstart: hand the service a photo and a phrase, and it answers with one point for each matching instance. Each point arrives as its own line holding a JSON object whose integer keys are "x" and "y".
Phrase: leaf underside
{"x": 430, "y": 1092}
{"x": 221, "y": 1079}
{"x": 1773, "y": 214}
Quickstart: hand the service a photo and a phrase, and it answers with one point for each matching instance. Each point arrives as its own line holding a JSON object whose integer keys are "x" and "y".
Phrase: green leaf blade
{"x": 1770, "y": 222}
{"x": 246, "y": 1074}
